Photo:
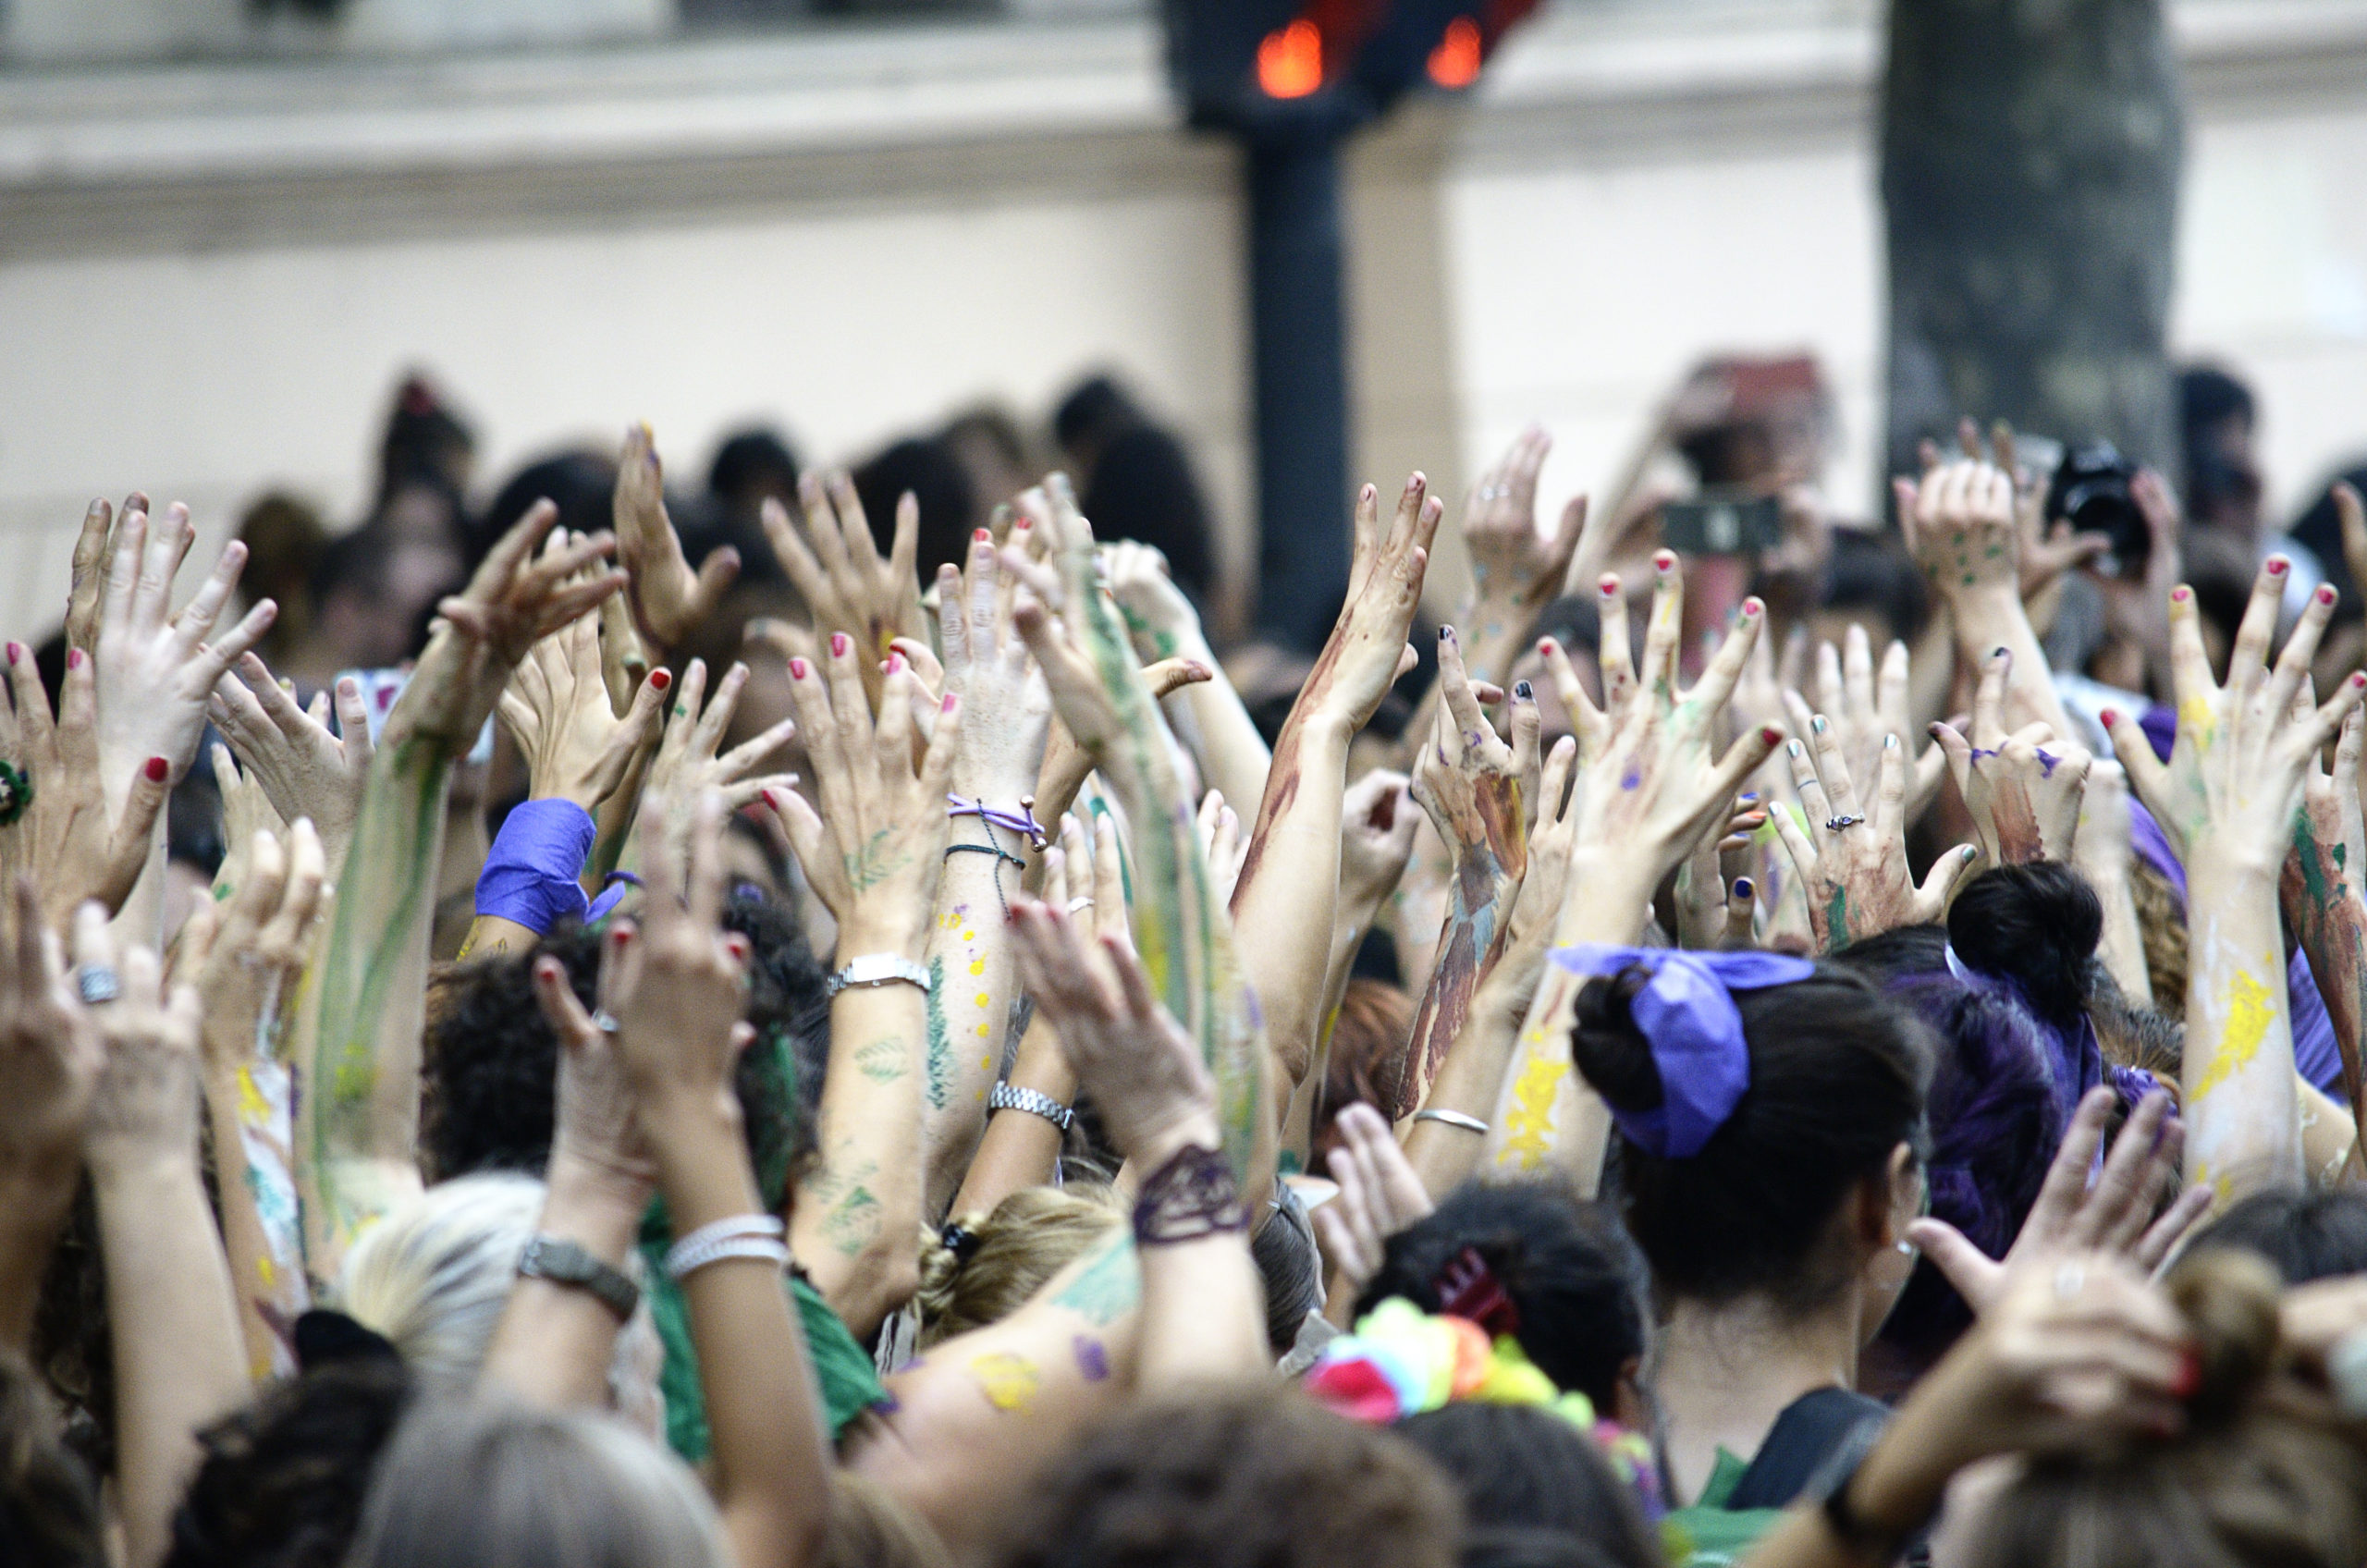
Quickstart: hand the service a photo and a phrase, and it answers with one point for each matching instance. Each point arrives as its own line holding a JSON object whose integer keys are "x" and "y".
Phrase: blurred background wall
{"x": 225, "y": 233}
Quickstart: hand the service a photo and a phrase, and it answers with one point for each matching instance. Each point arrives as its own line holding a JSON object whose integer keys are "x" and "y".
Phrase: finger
{"x": 1954, "y": 748}
{"x": 2247, "y": 665}
{"x": 1455, "y": 687}
{"x": 809, "y": 841}
{"x": 92, "y": 947}
{"x": 715, "y": 720}
{"x": 1965, "y": 1267}
{"x": 2293, "y": 664}
{"x": 1857, "y": 677}
{"x": 91, "y": 550}
{"x": 562, "y": 1008}
{"x": 2162, "y": 1236}
{"x": 1742, "y": 908}
{"x": 1527, "y": 724}
{"x": 636, "y": 730}
{"x": 717, "y": 574}
{"x": 128, "y": 847}
{"x": 1940, "y": 884}
{"x": 1890, "y": 793}
{"x": 1658, "y": 676}
{"x": 745, "y": 757}
{"x": 1614, "y": 653}
{"x": 952, "y": 626}
{"x": 123, "y": 570}
{"x": 2147, "y": 776}
{"x": 258, "y": 896}
{"x": 38, "y": 729}
{"x": 818, "y": 721}
{"x": 1716, "y": 687}
{"x": 1173, "y": 675}
{"x": 851, "y": 708}
{"x": 705, "y": 879}
{"x": 1831, "y": 695}
{"x": 903, "y": 548}
{"x": 1989, "y": 699}
{"x": 2066, "y": 1186}
{"x": 198, "y": 616}
{"x": 2330, "y": 714}
{"x": 1832, "y": 769}
{"x": 797, "y": 562}
{"x": 2121, "y": 1186}
{"x": 1585, "y": 716}
{"x": 307, "y": 876}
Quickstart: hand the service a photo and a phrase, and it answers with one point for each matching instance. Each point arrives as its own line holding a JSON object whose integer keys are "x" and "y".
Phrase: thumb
{"x": 1173, "y": 675}
{"x": 717, "y": 574}
{"x": 1940, "y": 886}
{"x": 127, "y": 850}
{"x": 638, "y": 728}
{"x": 562, "y": 1008}
{"x": 1973, "y": 1272}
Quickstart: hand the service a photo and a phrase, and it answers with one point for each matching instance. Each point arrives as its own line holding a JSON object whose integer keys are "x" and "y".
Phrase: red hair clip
{"x": 1469, "y": 1289}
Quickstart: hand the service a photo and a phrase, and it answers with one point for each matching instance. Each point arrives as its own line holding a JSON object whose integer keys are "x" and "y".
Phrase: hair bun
{"x": 1609, "y": 1049}
{"x": 2229, "y": 1297}
{"x": 2035, "y": 925}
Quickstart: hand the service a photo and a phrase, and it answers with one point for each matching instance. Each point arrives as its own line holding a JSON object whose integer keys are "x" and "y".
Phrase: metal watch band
{"x": 879, "y": 969}
{"x": 1002, "y": 1097}
{"x": 563, "y": 1262}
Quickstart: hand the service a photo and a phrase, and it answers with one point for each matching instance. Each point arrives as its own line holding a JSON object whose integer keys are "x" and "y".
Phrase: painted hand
{"x": 301, "y": 768}
{"x": 63, "y": 840}
{"x": 1851, "y": 854}
{"x": 2024, "y": 790}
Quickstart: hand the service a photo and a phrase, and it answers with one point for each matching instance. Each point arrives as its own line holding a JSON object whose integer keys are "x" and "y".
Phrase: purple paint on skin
{"x": 1632, "y": 778}
{"x": 889, "y": 1404}
{"x": 1091, "y": 1359}
{"x": 2047, "y": 762}
{"x": 1978, "y": 753}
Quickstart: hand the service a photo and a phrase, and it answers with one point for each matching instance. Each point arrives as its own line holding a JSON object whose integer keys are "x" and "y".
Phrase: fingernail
{"x": 73, "y": 658}
{"x": 156, "y": 769}
{"x": 1524, "y": 691}
{"x": 797, "y": 669}
{"x": 1446, "y": 633}
{"x": 1747, "y": 796}
{"x": 2181, "y": 594}
{"x": 2110, "y": 717}
{"x": 2359, "y": 678}
{"x": 1791, "y": 748}
{"x": 1817, "y": 724}
{"x": 1664, "y": 561}
{"x": 1744, "y": 888}
{"x": 661, "y": 679}
{"x": 1751, "y": 608}
{"x": 2277, "y": 565}
{"x": 1770, "y": 734}
{"x": 1971, "y": 851}
{"x": 1545, "y": 647}
{"x": 980, "y": 536}
{"x": 838, "y": 644}
{"x": 2003, "y": 653}
{"x": 16, "y": 652}
{"x": 895, "y": 663}
{"x": 950, "y": 703}
{"x": 1024, "y": 521}
{"x": 1611, "y": 587}
{"x": 2190, "y": 1376}
{"x": 1890, "y": 742}
{"x": 2325, "y": 595}
{"x": 772, "y": 797}
{"x": 1933, "y": 729}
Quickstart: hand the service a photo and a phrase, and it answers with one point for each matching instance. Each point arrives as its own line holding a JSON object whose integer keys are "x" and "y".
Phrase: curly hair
{"x": 1234, "y": 1475}
{"x": 492, "y": 1062}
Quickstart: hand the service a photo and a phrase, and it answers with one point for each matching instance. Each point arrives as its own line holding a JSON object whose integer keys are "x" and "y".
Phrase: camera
{"x": 2090, "y": 490}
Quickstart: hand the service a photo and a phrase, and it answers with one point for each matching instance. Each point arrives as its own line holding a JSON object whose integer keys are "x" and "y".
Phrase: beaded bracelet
{"x": 733, "y": 1236}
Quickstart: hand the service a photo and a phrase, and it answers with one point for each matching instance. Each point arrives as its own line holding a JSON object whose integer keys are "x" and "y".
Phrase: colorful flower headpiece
{"x": 1403, "y": 1360}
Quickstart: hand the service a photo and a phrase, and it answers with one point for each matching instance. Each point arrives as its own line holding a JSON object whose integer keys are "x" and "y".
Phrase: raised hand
{"x": 1851, "y": 852}
{"x": 303, "y": 769}
{"x": 2024, "y": 788}
{"x": 1375, "y": 838}
{"x": 834, "y": 564}
{"x": 1516, "y": 570}
{"x": 2115, "y": 1216}
{"x": 557, "y": 708}
{"x": 2323, "y": 891}
{"x": 873, "y": 853}
{"x": 1962, "y": 526}
{"x": 1221, "y": 845}
{"x": 1653, "y": 780}
{"x": 666, "y": 599}
{"x": 93, "y": 555}
{"x": 157, "y": 669}
{"x": 59, "y": 832}
{"x": 1863, "y": 707}
{"x": 516, "y": 599}
{"x": 1380, "y": 1195}
{"x": 1710, "y": 913}
{"x": 2235, "y": 773}
{"x": 145, "y": 1107}
{"x": 1142, "y": 1070}
{"x": 1009, "y": 707}
{"x": 248, "y": 952}
{"x": 51, "y": 1055}
{"x": 1159, "y": 618}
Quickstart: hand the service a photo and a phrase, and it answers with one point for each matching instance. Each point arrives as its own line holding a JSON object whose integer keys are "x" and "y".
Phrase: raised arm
{"x": 2324, "y": 900}
{"x": 873, "y": 856}
{"x": 302, "y": 769}
{"x": 50, "y": 1061}
{"x": 55, "y": 827}
{"x": 178, "y": 1361}
{"x": 358, "y": 1042}
{"x": 1233, "y": 756}
{"x": 2228, "y": 799}
{"x": 668, "y": 599}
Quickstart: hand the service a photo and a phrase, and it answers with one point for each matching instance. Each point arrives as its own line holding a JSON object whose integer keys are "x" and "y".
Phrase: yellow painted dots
{"x": 985, "y": 999}
{"x": 978, "y": 967}
{"x": 985, "y": 1030}
{"x": 987, "y": 1062}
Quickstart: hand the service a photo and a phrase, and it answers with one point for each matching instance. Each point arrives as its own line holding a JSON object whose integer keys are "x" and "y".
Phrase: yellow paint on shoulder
{"x": 1006, "y": 1378}
{"x": 2250, "y": 1013}
{"x": 1531, "y": 1123}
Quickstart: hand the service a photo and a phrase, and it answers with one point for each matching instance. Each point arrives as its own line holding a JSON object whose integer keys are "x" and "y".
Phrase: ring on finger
{"x": 605, "y": 1021}
{"x": 97, "y": 983}
{"x": 1835, "y": 823}
{"x": 1077, "y": 903}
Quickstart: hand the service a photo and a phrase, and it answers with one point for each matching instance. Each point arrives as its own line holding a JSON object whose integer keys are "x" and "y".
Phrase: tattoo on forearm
{"x": 884, "y": 1060}
{"x": 939, "y": 1064}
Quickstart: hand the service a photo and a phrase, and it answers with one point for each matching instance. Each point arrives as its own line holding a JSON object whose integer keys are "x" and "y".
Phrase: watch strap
{"x": 563, "y": 1262}
{"x": 1003, "y": 1097}
{"x": 878, "y": 969}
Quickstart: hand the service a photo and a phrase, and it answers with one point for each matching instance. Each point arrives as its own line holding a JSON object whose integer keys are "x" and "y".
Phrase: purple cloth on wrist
{"x": 531, "y": 873}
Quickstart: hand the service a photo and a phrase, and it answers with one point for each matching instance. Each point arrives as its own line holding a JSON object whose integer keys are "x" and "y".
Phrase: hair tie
{"x": 1687, "y": 1017}
{"x": 1467, "y": 1288}
{"x": 962, "y": 1242}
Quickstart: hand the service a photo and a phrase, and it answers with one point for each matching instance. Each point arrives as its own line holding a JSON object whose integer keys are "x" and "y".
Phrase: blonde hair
{"x": 1029, "y": 1237}
{"x": 491, "y": 1485}
{"x": 434, "y": 1275}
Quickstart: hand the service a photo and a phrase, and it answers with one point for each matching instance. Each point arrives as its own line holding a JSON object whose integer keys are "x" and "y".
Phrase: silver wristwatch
{"x": 879, "y": 969}
{"x": 1002, "y": 1097}
{"x": 564, "y": 1262}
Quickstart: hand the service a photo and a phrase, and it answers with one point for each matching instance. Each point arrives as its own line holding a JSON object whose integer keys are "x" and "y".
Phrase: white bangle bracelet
{"x": 732, "y": 1228}
{"x": 1454, "y": 1119}
{"x": 764, "y": 1249}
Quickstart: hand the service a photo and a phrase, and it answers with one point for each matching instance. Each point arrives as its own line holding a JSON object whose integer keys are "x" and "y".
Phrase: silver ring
{"x": 1835, "y": 823}
{"x": 605, "y": 1021}
{"x": 2069, "y": 1280}
{"x": 1079, "y": 902}
{"x": 97, "y": 983}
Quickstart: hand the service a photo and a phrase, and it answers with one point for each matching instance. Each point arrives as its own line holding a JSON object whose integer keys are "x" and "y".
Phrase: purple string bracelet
{"x": 1022, "y": 821}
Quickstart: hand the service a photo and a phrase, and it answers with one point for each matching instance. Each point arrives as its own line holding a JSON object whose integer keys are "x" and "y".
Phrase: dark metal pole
{"x": 1295, "y": 318}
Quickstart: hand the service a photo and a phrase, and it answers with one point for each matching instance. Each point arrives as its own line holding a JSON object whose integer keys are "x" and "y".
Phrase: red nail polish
{"x": 797, "y": 669}
{"x": 2181, "y": 594}
{"x": 1771, "y": 735}
{"x": 2326, "y": 593}
{"x": 661, "y": 679}
{"x": 73, "y": 658}
{"x": 1751, "y": 608}
{"x": 1610, "y": 587}
{"x": 2111, "y": 717}
{"x": 16, "y": 652}
{"x": 950, "y": 703}
{"x": 2276, "y": 566}
{"x": 1665, "y": 560}
{"x": 1023, "y": 522}
{"x": 837, "y": 644}
{"x": 895, "y": 663}
{"x": 156, "y": 769}
{"x": 2359, "y": 678}
{"x": 1545, "y": 647}
{"x": 980, "y": 536}
{"x": 2190, "y": 1376}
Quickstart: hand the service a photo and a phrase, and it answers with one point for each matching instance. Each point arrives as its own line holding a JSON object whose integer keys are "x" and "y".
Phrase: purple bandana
{"x": 1688, "y": 1015}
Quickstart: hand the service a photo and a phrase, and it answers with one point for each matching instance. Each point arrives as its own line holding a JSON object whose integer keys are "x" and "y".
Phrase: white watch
{"x": 879, "y": 969}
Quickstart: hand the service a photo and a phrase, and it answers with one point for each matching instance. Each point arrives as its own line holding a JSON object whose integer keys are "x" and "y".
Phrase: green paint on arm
{"x": 1111, "y": 1287}
{"x": 940, "y": 1052}
{"x": 1836, "y": 921}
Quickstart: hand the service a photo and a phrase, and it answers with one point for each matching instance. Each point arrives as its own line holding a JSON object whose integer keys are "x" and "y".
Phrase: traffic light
{"x": 1243, "y": 63}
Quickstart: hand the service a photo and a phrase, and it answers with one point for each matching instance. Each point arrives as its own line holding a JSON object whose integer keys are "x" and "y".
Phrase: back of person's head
{"x": 1247, "y": 1474}
{"x": 1571, "y": 1273}
{"x": 983, "y": 1267}
{"x": 1093, "y": 410}
{"x": 1837, "y": 1083}
{"x": 432, "y": 1275}
{"x": 1869, "y": 572}
{"x": 1525, "y": 1466}
{"x": 1143, "y": 488}
{"x": 937, "y": 483}
{"x": 1513, "y": 1546}
{"x": 492, "y": 1062}
{"x": 280, "y": 1483}
{"x": 285, "y": 539}
{"x": 871, "y": 1527}
{"x": 2037, "y": 925}
{"x": 1375, "y": 1020}
{"x": 2305, "y": 1234}
{"x": 423, "y": 437}
{"x": 751, "y": 465}
{"x": 496, "y": 1486}
{"x": 49, "y": 1508}
{"x": 580, "y": 484}
{"x": 2249, "y": 1483}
